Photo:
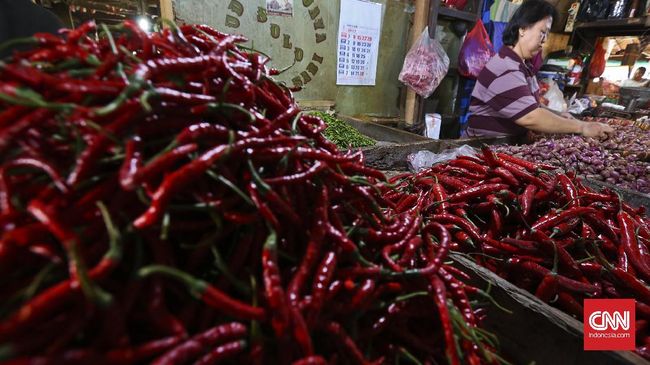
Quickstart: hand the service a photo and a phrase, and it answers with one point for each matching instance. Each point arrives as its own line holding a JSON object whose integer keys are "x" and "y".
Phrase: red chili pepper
{"x": 554, "y": 218}
{"x": 631, "y": 245}
{"x": 476, "y": 191}
{"x": 208, "y": 293}
{"x": 563, "y": 282}
{"x": 450, "y": 182}
{"x": 592, "y": 270}
{"x": 568, "y": 303}
{"x": 322, "y": 279}
{"x": 337, "y": 331}
{"x": 496, "y": 224}
{"x": 570, "y": 191}
{"x": 506, "y": 175}
{"x": 201, "y": 342}
{"x": 523, "y": 175}
{"x": 489, "y": 157}
{"x": 464, "y": 174}
{"x": 469, "y": 165}
{"x": 188, "y": 173}
{"x": 564, "y": 228}
{"x": 444, "y": 240}
{"x": 274, "y": 293}
{"x": 310, "y": 360}
{"x": 552, "y": 249}
{"x": 532, "y": 167}
{"x": 465, "y": 225}
{"x": 547, "y": 289}
{"x": 313, "y": 250}
{"x": 439, "y": 294}
{"x": 160, "y": 315}
{"x": 139, "y": 353}
{"x": 640, "y": 291}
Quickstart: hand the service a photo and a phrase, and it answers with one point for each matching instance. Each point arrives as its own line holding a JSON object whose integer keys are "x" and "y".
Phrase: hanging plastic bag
{"x": 591, "y": 10}
{"x": 598, "y": 61}
{"x": 555, "y": 97}
{"x": 475, "y": 52}
{"x": 456, "y": 4}
{"x": 425, "y": 65}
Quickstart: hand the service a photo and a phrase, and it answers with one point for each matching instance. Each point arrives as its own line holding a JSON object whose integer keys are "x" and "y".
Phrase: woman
{"x": 505, "y": 98}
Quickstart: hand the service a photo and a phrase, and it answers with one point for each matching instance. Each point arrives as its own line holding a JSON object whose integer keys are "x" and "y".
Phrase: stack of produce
{"x": 342, "y": 134}
{"x": 163, "y": 200}
{"x": 645, "y": 126}
{"x": 618, "y": 160}
{"x": 545, "y": 232}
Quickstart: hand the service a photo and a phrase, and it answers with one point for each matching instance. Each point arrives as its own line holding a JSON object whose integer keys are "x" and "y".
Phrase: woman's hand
{"x": 567, "y": 115}
{"x": 596, "y": 130}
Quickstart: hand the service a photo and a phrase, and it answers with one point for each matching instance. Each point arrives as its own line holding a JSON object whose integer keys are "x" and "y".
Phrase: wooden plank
{"x": 535, "y": 332}
{"x": 167, "y": 10}
{"x": 392, "y": 157}
{"x": 457, "y": 14}
{"x": 420, "y": 18}
{"x": 380, "y": 132}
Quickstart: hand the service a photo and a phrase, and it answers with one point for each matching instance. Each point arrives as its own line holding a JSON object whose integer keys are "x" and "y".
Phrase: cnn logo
{"x": 609, "y": 324}
{"x": 603, "y": 320}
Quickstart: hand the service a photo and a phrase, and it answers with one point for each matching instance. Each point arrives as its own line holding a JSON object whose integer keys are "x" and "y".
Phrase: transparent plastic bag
{"x": 425, "y": 65}
{"x": 475, "y": 52}
{"x": 555, "y": 97}
{"x": 425, "y": 159}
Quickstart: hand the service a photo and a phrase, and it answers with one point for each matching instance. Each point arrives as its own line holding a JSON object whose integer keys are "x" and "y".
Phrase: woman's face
{"x": 531, "y": 38}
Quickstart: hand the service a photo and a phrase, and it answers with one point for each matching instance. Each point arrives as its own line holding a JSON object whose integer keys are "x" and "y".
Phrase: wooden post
{"x": 420, "y": 19}
{"x": 166, "y": 10}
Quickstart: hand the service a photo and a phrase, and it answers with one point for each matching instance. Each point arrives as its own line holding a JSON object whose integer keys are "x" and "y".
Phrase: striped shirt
{"x": 506, "y": 90}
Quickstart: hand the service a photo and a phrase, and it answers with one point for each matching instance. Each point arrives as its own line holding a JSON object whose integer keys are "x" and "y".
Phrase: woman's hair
{"x": 529, "y": 13}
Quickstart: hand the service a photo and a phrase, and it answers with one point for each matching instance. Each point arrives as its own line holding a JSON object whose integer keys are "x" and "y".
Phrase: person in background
{"x": 637, "y": 79}
{"x": 23, "y": 18}
{"x": 505, "y": 100}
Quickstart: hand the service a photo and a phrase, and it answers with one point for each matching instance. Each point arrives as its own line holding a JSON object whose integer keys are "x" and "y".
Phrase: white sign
{"x": 358, "y": 42}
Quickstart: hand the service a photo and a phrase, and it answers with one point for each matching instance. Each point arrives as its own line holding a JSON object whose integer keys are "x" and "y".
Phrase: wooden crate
{"x": 393, "y": 156}
{"x": 631, "y": 197}
{"x": 535, "y": 333}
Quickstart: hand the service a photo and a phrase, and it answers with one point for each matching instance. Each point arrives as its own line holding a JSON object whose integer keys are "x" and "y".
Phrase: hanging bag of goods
{"x": 425, "y": 65}
{"x": 475, "y": 52}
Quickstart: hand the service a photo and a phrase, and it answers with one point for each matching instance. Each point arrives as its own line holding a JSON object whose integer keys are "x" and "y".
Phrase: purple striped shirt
{"x": 506, "y": 90}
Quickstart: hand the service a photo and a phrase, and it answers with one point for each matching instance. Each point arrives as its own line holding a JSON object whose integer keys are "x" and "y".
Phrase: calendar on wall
{"x": 358, "y": 42}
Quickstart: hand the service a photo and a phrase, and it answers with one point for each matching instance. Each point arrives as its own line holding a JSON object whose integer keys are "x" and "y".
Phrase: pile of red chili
{"x": 545, "y": 232}
{"x": 163, "y": 200}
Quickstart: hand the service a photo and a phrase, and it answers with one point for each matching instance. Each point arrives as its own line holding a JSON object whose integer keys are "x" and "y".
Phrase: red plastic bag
{"x": 598, "y": 61}
{"x": 475, "y": 52}
{"x": 456, "y": 4}
{"x": 425, "y": 65}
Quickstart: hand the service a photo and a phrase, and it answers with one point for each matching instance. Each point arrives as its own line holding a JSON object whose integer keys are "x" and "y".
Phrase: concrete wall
{"x": 307, "y": 40}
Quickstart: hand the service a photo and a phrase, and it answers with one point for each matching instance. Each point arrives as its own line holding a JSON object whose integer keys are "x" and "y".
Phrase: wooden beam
{"x": 166, "y": 10}
{"x": 420, "y": 19}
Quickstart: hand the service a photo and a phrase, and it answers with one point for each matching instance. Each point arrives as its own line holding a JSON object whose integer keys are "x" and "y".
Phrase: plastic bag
{"x": 591, "y": 10}
{"x": 598, "y": 61}
{"x": 425, "y": 65}
{"x": 456, "y": 4}
{"x": 579, "y": 105}
{"x": 555, "y": 97}
{"x": 425, "y": 159}
{"x": 475, "y": 52}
